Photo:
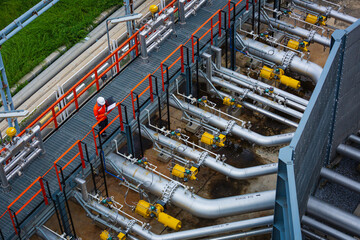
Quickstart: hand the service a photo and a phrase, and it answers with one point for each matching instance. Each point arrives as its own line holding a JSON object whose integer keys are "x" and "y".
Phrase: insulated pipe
{"x": 334, "y": 216}
{"x": 190, "y": 202}
{"x": 236, "y": 130}
{"x": 295, "y": 63}
{"x": 340, "y": 179}
{"x": 264, "y": 112}
{"x": 248, "y": 93}
{"x": 188, "y": 234}
{"x": 312, "y": 235}
{"x": 325, "y": 228}
{"x": 244, "y": 234}
{"x": 252, "y": 84}
{"x": 348, "y": 151}
{"x": 301, "y": 32}
{"x": 223, "y": 168}
{"x": 354, "y": 139}
{"x": 47, "y": 234}
{"x": 328, "y": 11}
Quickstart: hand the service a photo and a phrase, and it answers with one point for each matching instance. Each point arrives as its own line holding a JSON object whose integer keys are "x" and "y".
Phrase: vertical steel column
{"x": 102, "y": 159}
{"x": 143, "y": 48}
{"x": 4, "y": 182}
{"x": 181, "y": 11}
{"x": 233, "y": 47}
{"x": 6, "y": 98}
{"x": 259, "y": 15}
{"x": 130, "y": 24}
{"x": 253, "y": 17}
{"x": 139, "y": 125}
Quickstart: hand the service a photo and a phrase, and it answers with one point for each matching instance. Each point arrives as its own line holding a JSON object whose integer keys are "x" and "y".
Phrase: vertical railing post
{"x": 81, "y": 155}
{"x": 54, "y": 117}
{"x": 94, "y": 138}
{"x": 132, "y": 103}
{"x": 162, "y": 76}
{"x": 58, "y": 176}
{"x": 97, "y": 80}
{"x": 12, "y": 221}
{"x": 229, "y": 13}
{"x": 43, "y": 191}
{"x": 56, "y": 209}
{"x": 120, "y": 118}
{"x": 220, "y": 20}
{"x": 136, "y": 43}
{"x": 182, "y": 57}
{"x": 117, "y": 61}
{"x": 211, "y": 31}
{"x": 247, "y": 4}
{"x": 75, "y": 99}
{"x": 151, "y": 88}
{"x": 192, "y": 48}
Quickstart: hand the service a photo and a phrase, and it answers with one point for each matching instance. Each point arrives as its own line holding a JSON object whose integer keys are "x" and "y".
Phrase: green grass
{"x": 64, "y": 24}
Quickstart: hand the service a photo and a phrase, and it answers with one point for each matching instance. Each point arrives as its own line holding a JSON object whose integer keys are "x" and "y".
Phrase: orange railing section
{"x": 76, "y": 150}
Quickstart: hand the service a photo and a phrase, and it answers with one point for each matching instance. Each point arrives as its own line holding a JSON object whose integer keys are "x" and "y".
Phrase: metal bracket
{"x": 202, "y": 157}
{"x": 311, "y": 35}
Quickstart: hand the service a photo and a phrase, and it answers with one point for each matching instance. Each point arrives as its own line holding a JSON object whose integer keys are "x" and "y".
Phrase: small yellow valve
{"x": 11, "y": 132}
{"x": 182, "y": 172}
{"x": 153, "y": 9}
{"x": 146, "y": 210}
{"x": 318, "y": 20}
{"x": 298, "y": 45}
{"x": 230, "y": 102}
{"x": 143, "y": 208}
{"x": 121, "y": 236}
{"x": 105, "y": 235}
{"x": 278, "y": 75}
{"x": 212, "y": 140}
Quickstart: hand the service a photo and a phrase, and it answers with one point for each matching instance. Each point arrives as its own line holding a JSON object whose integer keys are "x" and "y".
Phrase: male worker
{"x": 101, "y": 114}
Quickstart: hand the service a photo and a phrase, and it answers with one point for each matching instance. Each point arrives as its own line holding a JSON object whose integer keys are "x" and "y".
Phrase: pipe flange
{"x": 229, "y": 126}
{"x": 202, "y": 157}
{"x": 169, "y": 190}
{"x": 130, "y": 224}
{"x": 311, "y": 35}
{"x": 288, "y": 57}
{"x": 328, "y": 11}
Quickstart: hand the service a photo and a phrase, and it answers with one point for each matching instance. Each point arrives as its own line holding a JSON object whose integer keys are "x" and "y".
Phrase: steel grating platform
{"x": 82, "y": 121}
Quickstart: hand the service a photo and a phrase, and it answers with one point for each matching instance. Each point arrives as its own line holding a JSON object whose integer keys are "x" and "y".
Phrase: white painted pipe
{"x": 223, "y": 168}
{"x": 296, "y": 64}
{"x": 326, "y": 10}
{"x": 190, "y": 202}
{"x": 236, "y": 130}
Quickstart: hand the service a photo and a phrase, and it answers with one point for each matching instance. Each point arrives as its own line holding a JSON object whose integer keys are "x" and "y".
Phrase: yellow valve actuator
{"x": 290, "y": 82}
{"x": 278, "y": 75}
{"x": 169, "y": 221}
{"x": 121, "y": 236}
{"x": 298, "y": 45}
{"x": 105, "y": 235}
{"x": 153, "y": 9}
{"x": 230, "y": 102}
{"x": 11, "y": 132}
{"x": 321, "y": 20}
{"x": 182, "y": 172}
{"x": 210, "y": 139}
{"x": 143, "y": 208}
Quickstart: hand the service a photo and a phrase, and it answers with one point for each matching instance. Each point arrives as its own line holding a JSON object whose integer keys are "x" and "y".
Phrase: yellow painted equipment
{"x": 153, "y": 9}
{"x": 11, "y": 132}
{"x": 210, "y": 139}
{"x": 143, "y": 208}
{"x": 321, "y": 20}
{"x": 146, "y": 210}
{"x": 278, "y": 75}
{"x": 230, "y": 102}
{"x": 121, "y": 236}
{"x": 105, "y": 235}
{"x": 47, "y": 116}
{"x": 182, "y": 172}
{"x": 169, "y": 221}
{"x": 298, "y": 45}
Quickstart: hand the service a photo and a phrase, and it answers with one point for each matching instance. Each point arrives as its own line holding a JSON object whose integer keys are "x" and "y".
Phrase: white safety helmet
{"x": 100, "y": 101}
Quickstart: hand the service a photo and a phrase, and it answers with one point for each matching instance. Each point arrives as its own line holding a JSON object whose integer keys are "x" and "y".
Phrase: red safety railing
{"x": 76, "y": 149}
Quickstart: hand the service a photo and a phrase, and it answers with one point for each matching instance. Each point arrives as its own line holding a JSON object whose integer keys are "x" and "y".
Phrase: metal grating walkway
{"x": 81, "y": 122}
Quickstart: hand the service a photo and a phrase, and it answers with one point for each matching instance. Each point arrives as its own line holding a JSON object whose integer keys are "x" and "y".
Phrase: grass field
{"x": 64, "y": 24}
